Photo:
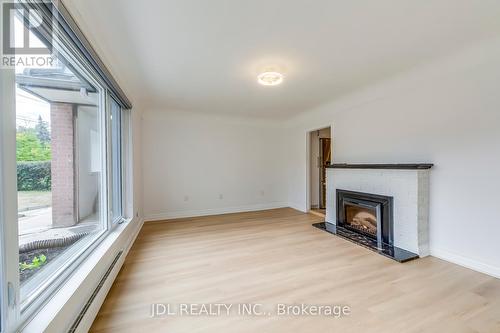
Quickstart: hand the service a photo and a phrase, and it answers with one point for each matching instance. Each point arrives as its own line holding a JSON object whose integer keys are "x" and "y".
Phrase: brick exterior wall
{"x": 63, "y": 165}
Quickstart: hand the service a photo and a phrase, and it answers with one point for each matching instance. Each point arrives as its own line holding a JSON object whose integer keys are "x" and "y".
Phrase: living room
{"x": 270, "y": 165}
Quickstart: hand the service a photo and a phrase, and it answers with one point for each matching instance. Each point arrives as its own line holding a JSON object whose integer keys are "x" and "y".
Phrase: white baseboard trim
{"x": 297, "y": 206}
{"x": 93, "y": 310}
{"x": 213, "y": 211}
{"x": 466, "y": 262}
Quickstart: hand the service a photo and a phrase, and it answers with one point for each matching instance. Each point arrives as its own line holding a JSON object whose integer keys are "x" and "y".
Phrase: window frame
{"x": 121, "y": 216}
{"x": 50, "y": 284}
{"x": 3, "y": 279}
{"x": 127, "y": 165}
{"x": 3, "y": 285}
{"x": 8, "y": 205}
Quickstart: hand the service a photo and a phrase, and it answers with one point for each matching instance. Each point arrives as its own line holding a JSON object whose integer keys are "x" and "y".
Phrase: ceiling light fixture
{"x": 270, "y": 78}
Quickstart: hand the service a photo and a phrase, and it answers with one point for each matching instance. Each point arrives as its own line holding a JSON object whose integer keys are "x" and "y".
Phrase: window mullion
{"x": 107, "y": 190}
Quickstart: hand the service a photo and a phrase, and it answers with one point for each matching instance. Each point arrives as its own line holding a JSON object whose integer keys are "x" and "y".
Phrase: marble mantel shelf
{"x": 417, "y": 166}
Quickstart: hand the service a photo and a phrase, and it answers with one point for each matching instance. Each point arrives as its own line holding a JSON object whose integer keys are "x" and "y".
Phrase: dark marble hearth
{"x": 388, "y": 251}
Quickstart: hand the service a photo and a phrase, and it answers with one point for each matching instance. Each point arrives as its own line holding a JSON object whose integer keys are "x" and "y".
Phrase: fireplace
{"x": 370, "y": 215}
{"x": 394, "y": 225}
{"x": 367, "y": 220}
{"x": 362, "y": 218}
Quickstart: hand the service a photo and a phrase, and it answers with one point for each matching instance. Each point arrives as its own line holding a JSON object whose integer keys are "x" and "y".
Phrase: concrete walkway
{"x": 37, "y": 225}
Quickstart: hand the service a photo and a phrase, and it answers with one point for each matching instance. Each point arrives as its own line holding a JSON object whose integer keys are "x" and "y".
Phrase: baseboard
{"x": 92, "y": 312}
{"x": 213, "y": 211}
{"x": 297, "y": 206}
{"x": 466, "y": 262}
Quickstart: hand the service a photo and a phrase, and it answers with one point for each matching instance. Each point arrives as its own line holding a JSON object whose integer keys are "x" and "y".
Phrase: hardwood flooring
{"x": 319, "y": 212}
{"x": 277, "y": 257}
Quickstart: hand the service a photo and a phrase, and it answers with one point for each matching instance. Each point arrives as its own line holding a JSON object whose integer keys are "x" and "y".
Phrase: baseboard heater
{"x": 87, "y": 305}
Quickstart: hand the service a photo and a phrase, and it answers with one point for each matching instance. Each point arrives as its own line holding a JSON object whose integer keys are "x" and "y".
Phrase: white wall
{"x": 190, "y": 160}
{"x": 447, "y": 113}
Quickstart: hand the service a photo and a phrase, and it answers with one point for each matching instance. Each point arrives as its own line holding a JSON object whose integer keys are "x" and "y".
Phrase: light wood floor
{"x": 319, "y": 212}
{"x": 276, "y": 256}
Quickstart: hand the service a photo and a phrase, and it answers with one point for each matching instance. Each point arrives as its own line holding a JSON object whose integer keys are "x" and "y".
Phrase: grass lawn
{"x": 33, "y": 199}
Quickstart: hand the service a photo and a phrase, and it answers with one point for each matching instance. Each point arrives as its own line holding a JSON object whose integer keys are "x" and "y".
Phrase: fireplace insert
{"x": 368, "y": 214}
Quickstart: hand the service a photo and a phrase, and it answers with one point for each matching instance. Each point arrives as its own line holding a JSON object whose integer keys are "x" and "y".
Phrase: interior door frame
{"x": 307, "y": 205}
{"x": 320, "y": 171}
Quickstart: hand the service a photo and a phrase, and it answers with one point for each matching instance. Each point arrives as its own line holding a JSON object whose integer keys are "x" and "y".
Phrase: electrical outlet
{"x": 262, "y": 193}
{"x": 186, "y": 198}
{"x": 221, "y": 196}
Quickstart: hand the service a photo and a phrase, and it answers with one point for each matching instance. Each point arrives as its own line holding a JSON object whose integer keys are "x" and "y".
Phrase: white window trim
{"x": 8, "y": 185}
{"x": 113, "y": 222}
{"x": 127, "y": 166}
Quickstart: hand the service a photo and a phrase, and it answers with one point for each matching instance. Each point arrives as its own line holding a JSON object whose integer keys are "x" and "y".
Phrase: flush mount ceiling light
{"x": 270, "y": 78}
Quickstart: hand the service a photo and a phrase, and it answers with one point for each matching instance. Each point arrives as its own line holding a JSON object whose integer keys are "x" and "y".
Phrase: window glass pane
{"x": 59, "y": 169}
{"x": 116, "y": 168}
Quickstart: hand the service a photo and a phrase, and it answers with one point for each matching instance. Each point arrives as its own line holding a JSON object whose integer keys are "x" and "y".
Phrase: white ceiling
{"x": 204, "y": 56}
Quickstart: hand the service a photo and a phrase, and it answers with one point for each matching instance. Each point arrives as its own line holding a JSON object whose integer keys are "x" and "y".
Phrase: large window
{"x": 68, "y": 150}
{"x": 60, "y": 162}
{"x": 60, "y": 155}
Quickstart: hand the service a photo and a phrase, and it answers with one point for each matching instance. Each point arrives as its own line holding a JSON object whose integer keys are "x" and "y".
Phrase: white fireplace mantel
{"x": 408, "y": 186}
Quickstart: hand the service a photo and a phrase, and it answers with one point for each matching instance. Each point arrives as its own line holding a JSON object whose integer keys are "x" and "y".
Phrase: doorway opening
{"x": 320, "y": 156}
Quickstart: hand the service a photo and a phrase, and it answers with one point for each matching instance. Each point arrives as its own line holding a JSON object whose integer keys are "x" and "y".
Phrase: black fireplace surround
{"x": 380, "y": 204}
{"x": 370, "y": 223}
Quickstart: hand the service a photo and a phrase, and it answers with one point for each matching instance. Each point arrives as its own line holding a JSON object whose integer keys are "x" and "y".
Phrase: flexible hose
{"x": 51, "y": 243}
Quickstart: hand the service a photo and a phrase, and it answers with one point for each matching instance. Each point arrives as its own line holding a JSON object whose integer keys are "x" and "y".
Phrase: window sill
{"x": 58, "y": 314}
